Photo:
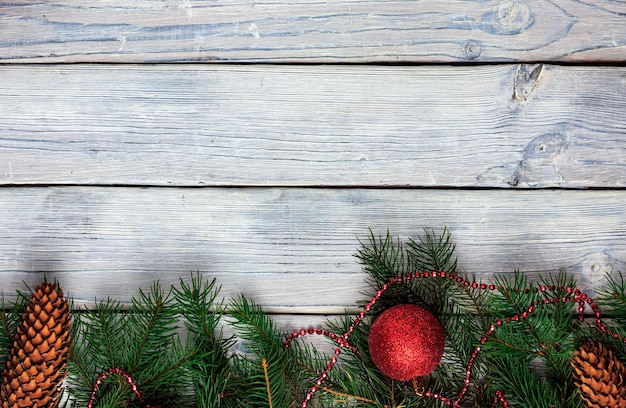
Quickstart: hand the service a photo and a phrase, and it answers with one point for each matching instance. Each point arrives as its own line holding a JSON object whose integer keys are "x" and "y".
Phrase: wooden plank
{"x": 291, "y": 249}
{"x": 310, "y": 31}
{"x": 192, "y": 125}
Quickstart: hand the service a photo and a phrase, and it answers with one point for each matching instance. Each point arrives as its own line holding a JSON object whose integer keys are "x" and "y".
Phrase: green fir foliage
{"x": 172, "y": 342}
{"x": 10, "y": 318}
{"x": 530, "y": 357}
{"x": 271, "y": 370}
{"x": 612, "y": 297}
{"x": 210, "y": 367}
{"x": 385, "y": 258}
{"x": 142, "y": 340}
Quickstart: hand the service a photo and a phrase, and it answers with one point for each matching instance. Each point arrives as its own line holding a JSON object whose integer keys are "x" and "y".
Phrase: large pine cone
{"x": 600, "y": 376}
{"x": 38, "y": 359}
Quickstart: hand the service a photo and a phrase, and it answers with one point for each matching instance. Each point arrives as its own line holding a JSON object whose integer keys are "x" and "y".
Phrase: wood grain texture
{"x": 312, "y": 31}
{"x": 505, "y": 126}
{"x": 291, "y": 249}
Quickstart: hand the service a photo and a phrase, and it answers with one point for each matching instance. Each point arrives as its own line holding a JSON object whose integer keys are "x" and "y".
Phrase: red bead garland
{"x": 573, "y": 295}
{"x": 340, "y": 340}
{"x": 123, "y": 374}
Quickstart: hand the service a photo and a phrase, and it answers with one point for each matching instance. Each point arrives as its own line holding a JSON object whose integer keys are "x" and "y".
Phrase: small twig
{"x": 393, "y": 399}
{"x": 519, "y": 349}
{"x": 344, "y": 395}
{"x": 419, "y": 388}
{"x": 267, "y": 381}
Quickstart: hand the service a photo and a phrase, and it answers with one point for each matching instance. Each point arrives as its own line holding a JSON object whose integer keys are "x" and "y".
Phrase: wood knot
{"x": 526, "y": 80}
{"x": 472, "y": 49}
{"x": 508, "y": 18}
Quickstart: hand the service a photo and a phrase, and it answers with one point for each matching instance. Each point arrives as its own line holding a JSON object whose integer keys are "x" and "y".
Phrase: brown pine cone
{"x": 600, "y": 376}
{"x": 38, "y": 359}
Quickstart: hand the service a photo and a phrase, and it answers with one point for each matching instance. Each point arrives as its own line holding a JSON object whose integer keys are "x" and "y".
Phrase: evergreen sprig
{"x": 532, "y": 355}
{"x": 143, "y": 341}
{"x": 10, "y": 318}
{"x": 613, "y": 296}
{"x": 210, "y": 366}
{"x": 385, "y": 258}
{"x": 272, "y": 371}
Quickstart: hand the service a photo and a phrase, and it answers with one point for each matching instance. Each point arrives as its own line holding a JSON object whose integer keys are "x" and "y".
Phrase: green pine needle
{"x": 10, "y": 319}
{"x": 432, "y": 251}
{"x": 290, "y": 371}
{"x": 210, "y": 366}
{"x": 143, "y": 341}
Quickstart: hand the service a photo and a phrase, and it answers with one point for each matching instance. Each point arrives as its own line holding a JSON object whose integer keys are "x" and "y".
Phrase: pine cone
{"x": 36, "y": 366}
{"x": 600, "y": 376}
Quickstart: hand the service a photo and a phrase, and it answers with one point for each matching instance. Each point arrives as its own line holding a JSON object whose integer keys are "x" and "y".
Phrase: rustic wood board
{"x": 291, "y": 249}
{"x": 311, "y": 31}
{"x": 192, "y": 125}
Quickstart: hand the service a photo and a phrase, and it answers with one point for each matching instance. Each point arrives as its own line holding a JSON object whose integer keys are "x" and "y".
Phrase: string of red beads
{"x": 340, "y": 340}
{"x": 573, "y": 295}
{"x": 117, "y": 371}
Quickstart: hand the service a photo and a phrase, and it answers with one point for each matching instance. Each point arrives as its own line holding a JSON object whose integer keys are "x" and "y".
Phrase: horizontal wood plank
{"x": 292, "y": 249}
{"x": 311, "y": 31}
{"x": 188, "y": 125}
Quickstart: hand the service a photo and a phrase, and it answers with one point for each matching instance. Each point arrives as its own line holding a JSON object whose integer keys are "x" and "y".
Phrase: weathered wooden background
{"x": 257, "y": 142}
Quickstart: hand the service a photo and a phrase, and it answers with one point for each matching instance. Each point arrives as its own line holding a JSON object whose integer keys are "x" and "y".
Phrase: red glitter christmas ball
{"x": 406, "y": 341}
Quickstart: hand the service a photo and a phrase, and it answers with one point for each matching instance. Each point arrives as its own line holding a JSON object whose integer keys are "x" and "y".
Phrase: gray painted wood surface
{"x": 291, "y": 249}
{"x": 266, "y": 176}
{"x": 312, "y": 31}
{"x": 205, "y": 125}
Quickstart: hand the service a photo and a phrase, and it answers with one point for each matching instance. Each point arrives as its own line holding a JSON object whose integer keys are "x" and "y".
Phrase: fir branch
{"x": 101, "y": 331}
{"x": 382, "y": 258}
{"x": 613, "y": 295}
{"x": 611, "y": 298}
{"x": 547, "y": 335}
{"x": 151, "y": 313}
{"x": 523, "y": 387}
{"x": 614, "y": 292}
{"x": 357, "y": 375}
{"x": 141, "y": 341}
{"x": 290, "y": 370}
{"x": 385, "y": 258}
{"x": 80, "y": 377}
{"x": 432, "y": 251}
{"x": 513, "y": 299}
{"x": 267, "y": 382}
{"x": 10, "y": 319}
{"x": 210, "y": 367}
{"x": 198, "y": 303}
{"x": 348, "y": 396}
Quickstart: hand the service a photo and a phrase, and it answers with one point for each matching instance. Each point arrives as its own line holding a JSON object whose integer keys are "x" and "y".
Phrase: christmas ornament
{"x": 600, "y": 376}
{"x": 406, "y": 341}
{"x": 36, "y": 365}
